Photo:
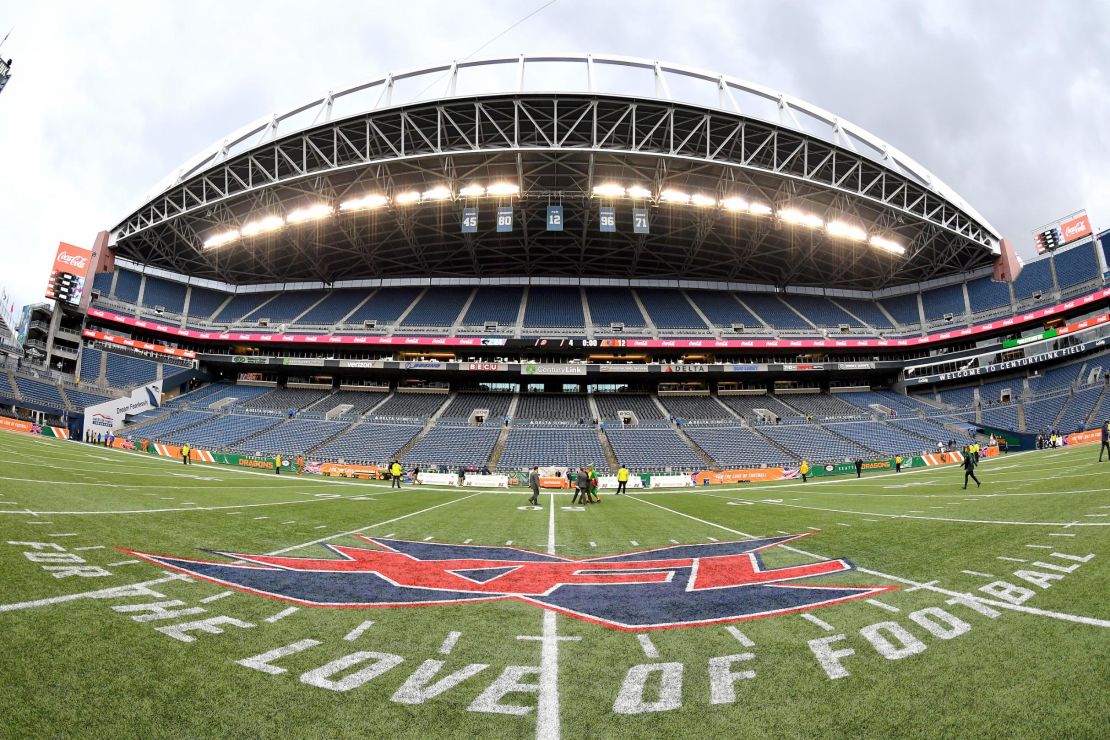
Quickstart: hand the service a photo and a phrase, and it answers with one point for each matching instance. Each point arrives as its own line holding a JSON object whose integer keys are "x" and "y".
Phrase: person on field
{"x": 593, "y": 487}
{"x": 277, "y": 464}
{"x": 897, "y": 463}
{"x": 300, "y": 464}
{"x": 534, "y": 484}
{"x": 395, "y": 474}
{"x": 581, "y": 486}
{"x": 1105, "y": 441}
{"x": 969, "y": 468}
{"x": 622, "y": 480}
{"x": 185, "y": 450}
{"x": 803, "y": 469}
{"x": 859, "y": 467}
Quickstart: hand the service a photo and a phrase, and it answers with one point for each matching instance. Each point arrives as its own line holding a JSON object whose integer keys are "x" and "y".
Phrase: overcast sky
{"x": 1007, "y": 101}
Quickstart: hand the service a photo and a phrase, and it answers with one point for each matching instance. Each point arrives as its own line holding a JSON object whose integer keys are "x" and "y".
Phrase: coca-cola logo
{"x": 1076, "y": 228}
{"x": 76, "y": 261}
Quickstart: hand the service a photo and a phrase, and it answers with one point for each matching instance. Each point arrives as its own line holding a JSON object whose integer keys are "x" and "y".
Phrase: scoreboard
{"x": 67, "y": 278}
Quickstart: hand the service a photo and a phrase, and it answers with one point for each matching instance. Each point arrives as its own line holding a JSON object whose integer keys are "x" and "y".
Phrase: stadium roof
{"x": 735, "y": 178}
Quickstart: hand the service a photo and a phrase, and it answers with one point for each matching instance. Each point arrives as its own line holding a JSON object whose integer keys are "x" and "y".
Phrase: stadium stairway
{"x": 503, "y": 437}
{"x": 849, "y": 440}
{"x": 1095, "y": 419}
{"x": 705, "y": 456}
{"x": 607, "y": 448}
{"x": 772, "y": 443}
{"x": 15, "y": 387}
{"x": 428, "y": 426}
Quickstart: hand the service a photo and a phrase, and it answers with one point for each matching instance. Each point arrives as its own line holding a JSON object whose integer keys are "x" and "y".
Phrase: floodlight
{"x": 800, "y": 218}
{"x": 309, "y": 213}
{"x": 472, "y": 191}
{"x": 734, "y": 204}
{"x": 846, "y": 230}
{"x": 502, "y": 188}
{"x": 218, "y": 240}
{"x": 609, "y": 190}
{"x": 887, "y": 245}
{"x": 701, "y": 200}
{"x": 675, "y": 196}
{"x": 439, "y": 192}
{"x": 367, "y": 202}
{"x": 759, "y": 209}
{"x": 263, "y": 225}
{"x": 638, "y": 191}
{"x": 406, "y": 198}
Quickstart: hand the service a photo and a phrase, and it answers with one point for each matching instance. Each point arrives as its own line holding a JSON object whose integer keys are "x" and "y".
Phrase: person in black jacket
{"x": 969, "y": 468}
{"x": 1105, "y": 441}
{"x": 859, "y": 467}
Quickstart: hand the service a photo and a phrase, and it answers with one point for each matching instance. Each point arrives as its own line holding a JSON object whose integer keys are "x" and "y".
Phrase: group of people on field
{"x": 585, "y": 485}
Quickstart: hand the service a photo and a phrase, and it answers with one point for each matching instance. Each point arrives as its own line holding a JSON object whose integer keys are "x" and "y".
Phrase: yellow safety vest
{"x": 622, "y": 475}
{"x": 395, "y": 469}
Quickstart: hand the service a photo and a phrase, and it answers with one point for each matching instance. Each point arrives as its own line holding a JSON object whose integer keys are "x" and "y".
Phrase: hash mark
{"x": 124, "y": 562}
{"x": 883, "y": 605}
{"x": 89, "y": 547}
{"x": 977, "y": 573}
{"x": 819, "y": 622}
{"x": 593, "y": 544}
{"x": 648, "y": 646}
{"x": 322, "y": 526}
{"x": 261, "y": 517}
{"x": 1012, "y": 560}
{"x": 449, "y": 644}
{"x": 215, "y": 597}
{"x": 427, "y": 538}
{"x": 509, "y": 542}
{"x": 815, "y": 529}
{"x": 712, "y": 539}
{"x": 740, "y": 636}
{"x": 674, "y": 542}
{"x": 292, "y": 522}
{"x": 842, "y": 524}
{"x": 1060, "y": 534}
{"x": 1040, "y": 547}
{"x": 64, "y": 534}
{"x": 40, "y": 522}
{"x": 634, "y": 543}
{"x": 282, "y": 614}
{"x": 467, "y": 541}
{"x": 357, "y": 631}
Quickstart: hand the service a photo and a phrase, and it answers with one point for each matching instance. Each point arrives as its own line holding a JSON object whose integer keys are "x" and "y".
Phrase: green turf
{"x": 79, "y": 668}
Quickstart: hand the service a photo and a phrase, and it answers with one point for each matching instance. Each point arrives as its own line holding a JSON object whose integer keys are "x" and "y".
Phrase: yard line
{"x": 1012, "y": 560}
{"x": 357, "y": 631}
{"x": 819, "y": 622}
{"x": 647, "y": 646}
{"x": 1041, "y": 547}
{"x": 449, "y": 644}
{"x": 883, "y": 605}
{"x": 1060, "y": 534}
{"x": 104, "y": 593}
{"x": 1096, "y": 515}
{"x": 216, "y": 597}
{"x": 124, "y": 562}
{"x": 426, "y": 539}
{"x": 740, "y": 636}
{"x": 547, "y": 704}
{"x": 468, "y": 540}
{"x": 64, "y": 534}
{"x": 712, "y": 539}
{"x": 977, "y": 573}
{"x": 282, "y": 614}
{"x": 634, "y": 543}
{"x": 89, "y": 547}
{"x": 40, "y": 522}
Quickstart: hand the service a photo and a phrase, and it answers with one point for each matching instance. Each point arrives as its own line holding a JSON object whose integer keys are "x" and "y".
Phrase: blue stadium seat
{"x": 438, "y": 307}
{"x": 738, "y": 447}
{"x": 165, "y": 293}
{"x": 1076, "y": 265}
{"x": 820, "y": 310}
{"x": 669, "y": 309}
{"x": 127, "y": 285}
{"x": 125, "y": 372}
{"x": 613, "y": 305}
{"x": 722, "y": 309}
{"x": 773, "y": 311}
{"x": 570, "y": 446}
{"x": 553, "y": 306}
{"x": 940, "y": 301}
{"x": 384, "y": 306}
{"x": 329, "y": 311}
{"x": 368, "y": 443}
{"x": 241, "y": 305}
{"x": 986, "y": 294}
{"x": 89, "y": 371}
{"x": 289, "y": 306}
{"x": 454, "y": 446}
{"x": 494, "y": 304}
{"x": 868, "y": 311}
{"x": 903, "y": 308}
{"x": 652, "y": 449}
{"x": 1035, "y": 277}
{"x": 203, "y": 302}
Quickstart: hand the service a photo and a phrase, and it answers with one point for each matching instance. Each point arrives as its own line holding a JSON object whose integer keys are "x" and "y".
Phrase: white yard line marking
{"x": 634, "y": 543}
{"x": 593, "y": 544}
{"x": 89, "y": 547}
{"x": 1060, "y": 534}
{"x": 282, "y": 614}
{"x": 977, "y": 573}
{"x": 449, "y": 644}
{"x": 883, "y": 605}
{"x": 712, "y": 539}
{"x": 357, "y": 631}
{"x": 322, "y": 526}
{"x": 104, "y": 593}
{"x": 1012, "y": 560}
{"x": 548, "y": 723}
{"x": 124, "y": 562}
{"x": 819, "y": 622}
{"x": 509, "y": 542}
{"x": 393, "y": 533}
{"x": 1041, "y": 547}
{"x": 40, "y": 522}
{"x": 674, "y": 542}
{"x": 216, "y": 597}
{"x": 740, "y": 636}
{"x": 842, "y": 524}
{"x": 467, "y": 541}
{"x": 260, "y": 517}
{"x": 427, "y": 539}
{"x": 64, "y": 534}
{"x": 1096, "y": 515}
{"x": 290, "y": 522}
{"x": 647, "y": 646}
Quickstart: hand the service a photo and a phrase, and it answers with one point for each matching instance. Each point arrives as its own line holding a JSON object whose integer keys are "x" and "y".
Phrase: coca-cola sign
{"x": 1075, "y": 228}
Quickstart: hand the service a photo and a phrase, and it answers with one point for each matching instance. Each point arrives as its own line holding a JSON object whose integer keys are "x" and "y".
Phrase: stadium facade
{"x": 564, "y": 259}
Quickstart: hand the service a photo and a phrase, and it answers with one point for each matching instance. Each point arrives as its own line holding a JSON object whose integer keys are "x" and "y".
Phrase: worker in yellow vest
{"x": 897, "y": 463}
{"x": 277, "y": 464}
{"x": 804, "y": 470}
{"x": 622, "y": 480}
{"x": 395, "y": 474}
{"x": 185, "y": 450}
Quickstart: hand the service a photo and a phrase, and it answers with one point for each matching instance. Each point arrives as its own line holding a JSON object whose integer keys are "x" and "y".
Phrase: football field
{"x": 141, "y": 597}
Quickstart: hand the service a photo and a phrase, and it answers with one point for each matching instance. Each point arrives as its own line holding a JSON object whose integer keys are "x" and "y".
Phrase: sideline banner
{"x": 745, "y": 475}
{"x": 439, "y": 479}
{"x": 1084, "y": 438}
{"x": 671, "y": 481}
{"x": 27, "y": 427}
{"x": 109, "y": 416}
{"x": 844, "y": 468}
{"x": 494, "y": 481}
{"x": 549, "y": 481}
{"x": 610, "y": 481}
{"x": 349, "y": 471}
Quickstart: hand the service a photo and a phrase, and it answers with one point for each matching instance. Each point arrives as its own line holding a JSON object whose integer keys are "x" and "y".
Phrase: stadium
{"x": 769, "y": 323}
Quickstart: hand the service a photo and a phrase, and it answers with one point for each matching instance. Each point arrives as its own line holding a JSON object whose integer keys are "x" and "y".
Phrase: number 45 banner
{"x": 470, "y": 221}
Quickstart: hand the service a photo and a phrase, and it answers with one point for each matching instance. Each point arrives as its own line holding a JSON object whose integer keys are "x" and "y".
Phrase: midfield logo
{"x": 678, "y": 586}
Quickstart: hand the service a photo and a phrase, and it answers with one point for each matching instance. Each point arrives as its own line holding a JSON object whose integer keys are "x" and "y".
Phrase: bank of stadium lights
{"x": 365, "y": 203}
{"x": 502, "y": 189}
{"x": 670, "y": 195}
{"x": 794, "y": 217}
{"x": 845, "y": 230}
{"x": 472, "y": 191}
{"x": 440, "y": 192}
{"x": 310, "y": 213}
{"x": 639, "y": 192}
{"x": 224, "y": 237}
{"x": 264, "y": 225}
{"x": 887, "y": 245}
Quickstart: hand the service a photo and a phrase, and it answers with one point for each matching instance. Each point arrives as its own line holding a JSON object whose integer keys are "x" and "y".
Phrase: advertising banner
{"x": 610, "y": 481}
{"x": 535, "y": 368}
{"x": 713, "y": 477}
{"x": 324, "y": 339}
{"x": 439, "y": 479}
{"x": 161, "y": 349}
{"x": 671, "y": 481}
{"x": 18, "y": 425}
{"x": 351, "y": 471}
{"x": 110, "y": 415}
{"x": 845, "y": 468}
{"x": 1075, "y": 228}
{"x": 1084, "y": 438}
{"x": 554, "y": 482}
{"x": 489, "y": 481}
{"x": 68, "y": 273}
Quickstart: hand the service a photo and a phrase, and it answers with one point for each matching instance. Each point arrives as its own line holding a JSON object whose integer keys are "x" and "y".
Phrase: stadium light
{"x": 702, "y": 201}
{"x": 799, "y": 218}
{"x": 404, "y": 199}
{"x": 845, "y": 230}
{"x": 472, "y": 191}
{"x": 675, "y": 196}
{"x": 736, "y": 205}
{"x": 887, "y": 245}
{"x": 439, "y": 192}
{"x": 365, "y": 203}
{"x": 309, "y": 213}
{"x": 639, "y": 192}
{"x": 609, "y": 190}
{"x": 502, "y": 188}
{"x": 218, "y": 240}
{"x": 759, "y": 209}
{"x": 263, "y": 225}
